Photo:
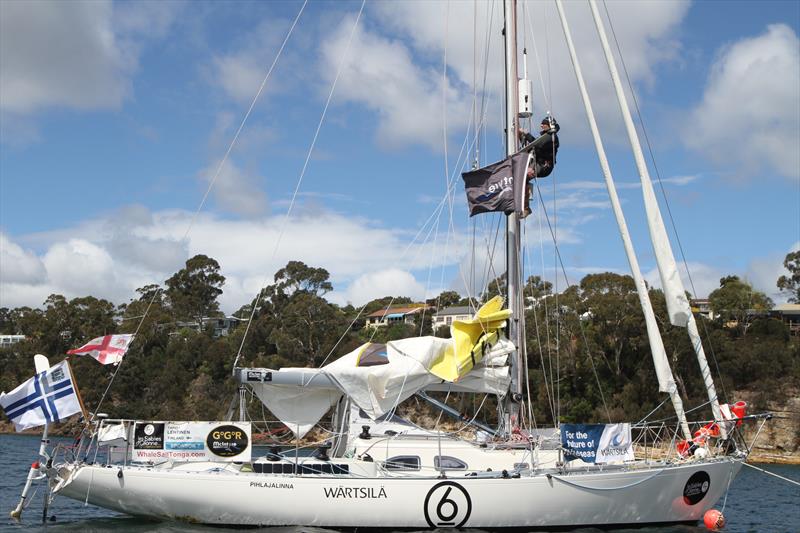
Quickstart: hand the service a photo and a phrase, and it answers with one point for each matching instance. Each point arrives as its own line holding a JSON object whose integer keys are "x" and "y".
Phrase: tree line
{"x": 587, "y": 349}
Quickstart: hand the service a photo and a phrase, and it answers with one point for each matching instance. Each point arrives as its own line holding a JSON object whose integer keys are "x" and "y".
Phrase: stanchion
{"x": 33, "y": 475}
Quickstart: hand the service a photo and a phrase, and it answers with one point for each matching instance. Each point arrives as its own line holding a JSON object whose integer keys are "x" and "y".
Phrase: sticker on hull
{"x": 696, "y": 488}
{"x": 447, "y": 505}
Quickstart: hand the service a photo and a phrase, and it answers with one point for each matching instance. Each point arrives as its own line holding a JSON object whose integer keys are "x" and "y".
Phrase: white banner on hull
{"x": 192, "y": 441}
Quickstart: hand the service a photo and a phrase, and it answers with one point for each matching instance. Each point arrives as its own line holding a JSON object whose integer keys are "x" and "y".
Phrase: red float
{"x": 739, "y": 410}
{"x": 714, "y": 520}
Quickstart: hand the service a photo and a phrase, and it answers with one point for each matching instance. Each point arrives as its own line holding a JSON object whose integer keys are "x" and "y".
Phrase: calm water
{"x": 756, "y": 502}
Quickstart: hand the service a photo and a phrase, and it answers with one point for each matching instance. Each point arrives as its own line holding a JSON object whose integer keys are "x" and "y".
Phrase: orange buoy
{"x": 714, "y": 520}
{"x": 739, "y": 410}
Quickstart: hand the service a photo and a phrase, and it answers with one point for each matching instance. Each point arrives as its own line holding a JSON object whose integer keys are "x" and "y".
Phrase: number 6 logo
{"x": 447, "y": 505}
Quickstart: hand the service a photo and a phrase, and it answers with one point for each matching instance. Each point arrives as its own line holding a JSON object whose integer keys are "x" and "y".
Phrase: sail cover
{"x": 377, "y": 388}
{"x": 297, "y": 406}
{"x": 378, "y": 377}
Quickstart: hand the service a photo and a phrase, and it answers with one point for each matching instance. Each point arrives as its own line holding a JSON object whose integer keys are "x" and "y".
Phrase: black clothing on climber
{"x": 544, "y": 148}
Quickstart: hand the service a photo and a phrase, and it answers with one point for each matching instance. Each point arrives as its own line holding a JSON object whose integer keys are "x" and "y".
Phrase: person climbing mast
{"x": 544, "y": 148}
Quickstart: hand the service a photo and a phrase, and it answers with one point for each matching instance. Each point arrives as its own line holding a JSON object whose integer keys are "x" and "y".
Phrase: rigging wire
{"x": 210, "y": 187}
{"x": 554, "y": 384}
{"x": 773, "y": 474}
{"x": 302, "y": 175}
{"x": 547, "y": 386}
{"x": 663, "y": 194}
{"x": 529, "y": 405}
{"x": 447, "y": 178}
{"x": 545, "y": 92}
{"x": 463, "y": 153}
{"x": 580, "y": 323}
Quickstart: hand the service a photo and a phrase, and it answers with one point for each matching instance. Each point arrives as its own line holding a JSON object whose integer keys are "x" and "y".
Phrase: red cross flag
{"x": 107, "y": 350}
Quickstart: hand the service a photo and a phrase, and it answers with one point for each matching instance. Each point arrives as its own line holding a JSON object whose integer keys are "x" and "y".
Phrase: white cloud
{"x": 381, "y": 74}
{"x": 239, "y": 72}
{"x": 240, "y": 76}
{"x": 235, "y": 190}
{"x": 749, "y": 119}
{"x": 79, "y": 267}
{"x": 390, "y": 282}
{"x": 763, "y": 273}
{"x": 79, "y": 64}
{"x": 395, "y": 62}
{"x": 18, "y": 265}
{"x": 78, "y": 54}
{"x": 111, "y": 257}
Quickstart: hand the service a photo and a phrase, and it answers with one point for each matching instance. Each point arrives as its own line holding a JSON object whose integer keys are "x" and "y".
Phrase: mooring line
{"x": 773, "y": 474}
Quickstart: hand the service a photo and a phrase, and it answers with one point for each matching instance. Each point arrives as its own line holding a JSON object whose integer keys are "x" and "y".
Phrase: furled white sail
{"x": 666, "y": 381}
{"x": 680, "y": 312}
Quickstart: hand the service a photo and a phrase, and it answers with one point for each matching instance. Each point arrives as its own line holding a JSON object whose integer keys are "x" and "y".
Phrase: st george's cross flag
{"x": 46, "y": 398}
{"x": 107, "y": 350}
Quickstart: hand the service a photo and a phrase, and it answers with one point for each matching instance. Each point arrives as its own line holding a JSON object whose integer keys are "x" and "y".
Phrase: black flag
{"x": 499, "y": 186}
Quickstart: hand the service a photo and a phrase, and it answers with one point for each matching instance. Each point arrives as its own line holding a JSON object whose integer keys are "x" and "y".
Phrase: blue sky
{"x": 112, "y": 128}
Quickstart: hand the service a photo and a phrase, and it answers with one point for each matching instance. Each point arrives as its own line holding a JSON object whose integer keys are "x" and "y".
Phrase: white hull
{"x": 633, "y": 497}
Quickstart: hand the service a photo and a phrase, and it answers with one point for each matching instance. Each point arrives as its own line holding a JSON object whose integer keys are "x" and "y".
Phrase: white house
{"x": 446, "y": 316}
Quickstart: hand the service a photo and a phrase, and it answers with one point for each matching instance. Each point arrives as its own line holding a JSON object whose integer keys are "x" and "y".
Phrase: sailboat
{"x": 380, "y": 470}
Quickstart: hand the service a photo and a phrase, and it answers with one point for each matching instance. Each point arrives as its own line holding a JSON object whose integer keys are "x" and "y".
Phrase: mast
{"x": 513, "y": 276}
{"x": 666, "y": 381}
{"x": 680, "y": 312}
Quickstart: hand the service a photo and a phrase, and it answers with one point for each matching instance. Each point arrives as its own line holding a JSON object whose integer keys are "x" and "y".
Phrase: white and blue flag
{"x": 46, "y": 398}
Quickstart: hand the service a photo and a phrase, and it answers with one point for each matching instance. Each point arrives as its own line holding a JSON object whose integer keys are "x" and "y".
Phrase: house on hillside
{"x": 8, "y": 340}
{"x": 222, "y": 326}
{"x": 446, "y": 316}
{"x": 396, "y": 315}
{"x": 789, "y": 314}
{"x": 702, "y": 306}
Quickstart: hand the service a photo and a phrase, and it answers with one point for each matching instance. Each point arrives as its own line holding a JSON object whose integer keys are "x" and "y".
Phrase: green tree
{"x": 536, "y": 287}
{"x": 495, "y": 287}
{"x": 7, "y": 326}
{"x": 384, "y": 302}
{"x": 307, "y": 329}
{"x": 612, "y": 303}
{"x": 296, "y": 276}
{"x": 790, "y": 285}
{"x": 294, "y": 324}
{"x": 737, "y": 301}
{"x": 192, "y": 291}
{"x": 445, "y": 299}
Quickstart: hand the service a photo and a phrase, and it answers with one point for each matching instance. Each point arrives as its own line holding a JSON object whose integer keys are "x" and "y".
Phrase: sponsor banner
{"x": 597, "y": 443}
{"x": 192, "y": 441}
{"x": 616, "y": 444}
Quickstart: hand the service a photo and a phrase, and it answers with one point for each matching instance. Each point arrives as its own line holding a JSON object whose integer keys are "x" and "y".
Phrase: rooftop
{"x": 455, "y": 310}
{"x": 380, "y": 313}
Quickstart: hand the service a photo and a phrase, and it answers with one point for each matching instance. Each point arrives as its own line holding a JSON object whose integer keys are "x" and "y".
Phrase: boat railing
{"x": 109, "y": 441}
{"x": 662, "y": 440}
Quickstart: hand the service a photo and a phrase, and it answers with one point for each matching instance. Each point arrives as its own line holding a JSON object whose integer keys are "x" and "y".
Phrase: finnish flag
{"x": 46, "y": 398}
